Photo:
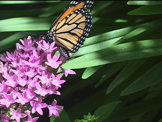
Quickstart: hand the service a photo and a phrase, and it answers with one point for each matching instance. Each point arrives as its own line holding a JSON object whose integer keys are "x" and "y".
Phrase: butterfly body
{"x": 72, "y": 27}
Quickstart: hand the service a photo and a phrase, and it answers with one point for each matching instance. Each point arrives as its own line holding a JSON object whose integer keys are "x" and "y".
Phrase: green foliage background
{"x": 119, "y": 68}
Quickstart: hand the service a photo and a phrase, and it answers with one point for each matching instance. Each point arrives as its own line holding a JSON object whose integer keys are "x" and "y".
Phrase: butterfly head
{"x": 49, "y": 37}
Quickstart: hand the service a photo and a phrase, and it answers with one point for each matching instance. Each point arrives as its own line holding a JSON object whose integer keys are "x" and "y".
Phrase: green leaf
{"x": 147, "y": 10}
{"x": 134, "y": 109}
{"x": 104, "y": 111}
{"x": 96, "y": 47}
{"x": 25, "y": 2}
{"x": 132, "y": 34}
{"x": 14, "y": 13}
{"x": 24, "y": 24}
{"x": 111, "y": 70}
{"x": 121, "y": 52}
{"x": 54, "y": 9}
{"x": 11, "y": 40}
{"x": 107, "y": 36}
{"x": 149, "y": 78}
{"x": 137, "y": 118}
{"x": 160, "y": 120}
{"x": 90, "y": 71}
{"x": 127, "y": 71}
{"x": 144, "y": 2}
{"x": 100, "y": 6}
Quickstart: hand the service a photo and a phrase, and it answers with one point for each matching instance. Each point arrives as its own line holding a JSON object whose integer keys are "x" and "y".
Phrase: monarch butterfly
{"x": 71, "y": 28}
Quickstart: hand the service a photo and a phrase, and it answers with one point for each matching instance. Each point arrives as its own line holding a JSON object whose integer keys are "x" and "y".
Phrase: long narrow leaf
{"x": 89, "y": 71}
{"x": 104, "y": 111}
{"x": 149, "y": 78}
{"x": 122, "y": 52}
{"x": 147, "y": 10}
{"x": 144, "y": 2}
{"x": 128, "y": 70}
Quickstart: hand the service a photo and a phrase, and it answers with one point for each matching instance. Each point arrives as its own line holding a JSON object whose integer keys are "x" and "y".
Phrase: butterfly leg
{"x": 64, "y": 52}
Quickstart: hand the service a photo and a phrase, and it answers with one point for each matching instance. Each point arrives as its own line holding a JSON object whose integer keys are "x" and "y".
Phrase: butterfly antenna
{"x": 29, "y": 33}
{"x": 35, "y": 36}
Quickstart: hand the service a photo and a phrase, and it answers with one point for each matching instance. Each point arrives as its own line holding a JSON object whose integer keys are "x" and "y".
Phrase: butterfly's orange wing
{"x": 72, "y": 27}
{"x": 69, "y": 11}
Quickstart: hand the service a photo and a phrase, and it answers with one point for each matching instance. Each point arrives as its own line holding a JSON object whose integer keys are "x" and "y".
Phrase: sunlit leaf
{"x": 144, "y": 2}
{"x": 90, "y": 71}
{"x": 147, "y": 10}
{"x": 121, "y": 52}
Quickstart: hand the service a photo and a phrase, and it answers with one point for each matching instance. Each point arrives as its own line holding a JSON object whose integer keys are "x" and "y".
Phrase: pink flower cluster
{"x": 29, "y": 74}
